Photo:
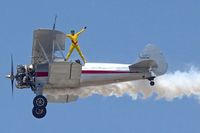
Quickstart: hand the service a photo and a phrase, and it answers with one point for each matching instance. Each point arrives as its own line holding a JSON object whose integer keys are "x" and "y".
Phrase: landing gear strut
{"x": 39, "y": 109}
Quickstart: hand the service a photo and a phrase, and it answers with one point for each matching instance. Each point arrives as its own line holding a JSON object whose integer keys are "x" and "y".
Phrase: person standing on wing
{"x": 74, "y": 45}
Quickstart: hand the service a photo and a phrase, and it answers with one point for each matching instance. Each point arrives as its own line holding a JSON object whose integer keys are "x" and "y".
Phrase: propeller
{"x": 11, "y": 76}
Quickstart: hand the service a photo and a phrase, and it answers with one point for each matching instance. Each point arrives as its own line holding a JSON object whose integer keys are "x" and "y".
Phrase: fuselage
{"x": 90, "y": 74}
{"x": 105, "y": 73}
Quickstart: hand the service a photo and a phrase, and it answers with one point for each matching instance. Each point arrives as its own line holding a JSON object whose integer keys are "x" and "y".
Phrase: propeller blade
{"x": 12, "y": 81}
{"x": 12, "y": 77}
{"x": 12, "y": 73}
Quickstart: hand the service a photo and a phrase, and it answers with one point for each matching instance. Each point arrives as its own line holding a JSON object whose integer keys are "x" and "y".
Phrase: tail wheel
{"x": 39, "y": 112}
{"x": 40, "y": 101}
{"x": 152, "y": 83}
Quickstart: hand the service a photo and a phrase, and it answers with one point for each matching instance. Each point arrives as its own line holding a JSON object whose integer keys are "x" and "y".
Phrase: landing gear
{"x": 39, "y": 109}
{"x": 39, "y": 112}
{"x": 152, "y": 83}
{"x": 151, "y": 79}
{"x": 40, "y": 101}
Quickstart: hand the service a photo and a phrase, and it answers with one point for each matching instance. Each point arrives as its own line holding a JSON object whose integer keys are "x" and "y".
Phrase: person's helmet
{"x": 72, "y": 31}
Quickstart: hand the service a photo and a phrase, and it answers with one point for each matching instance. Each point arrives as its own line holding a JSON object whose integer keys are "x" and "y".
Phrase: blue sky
{"x": 117, "y": 32}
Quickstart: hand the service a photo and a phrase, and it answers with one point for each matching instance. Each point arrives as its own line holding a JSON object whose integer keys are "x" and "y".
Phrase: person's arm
{"x": 68, "y": 35}
{"x": 78, "y": 33}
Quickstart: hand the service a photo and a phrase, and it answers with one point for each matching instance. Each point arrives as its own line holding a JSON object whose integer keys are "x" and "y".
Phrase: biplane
{"x": 50, "y": 71}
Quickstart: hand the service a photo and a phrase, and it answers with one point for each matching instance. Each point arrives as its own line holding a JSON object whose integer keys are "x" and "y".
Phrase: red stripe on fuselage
{"x": 45, "y": 74}
{"x": 41, "y": 74}
{"x": 103, "y": 72}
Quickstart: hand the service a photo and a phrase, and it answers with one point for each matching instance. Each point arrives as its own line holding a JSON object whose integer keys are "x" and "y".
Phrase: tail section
{"x": 151, "y": 52}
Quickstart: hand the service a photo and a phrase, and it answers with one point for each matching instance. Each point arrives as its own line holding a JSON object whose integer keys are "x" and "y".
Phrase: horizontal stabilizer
{"x": 143, "y": 66}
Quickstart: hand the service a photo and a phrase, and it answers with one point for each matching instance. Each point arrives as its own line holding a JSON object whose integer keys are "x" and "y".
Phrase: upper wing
{"x": 45, "y": 43}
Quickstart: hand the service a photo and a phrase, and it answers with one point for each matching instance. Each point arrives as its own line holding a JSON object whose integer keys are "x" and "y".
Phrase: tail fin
{"x": 151, "y": 52}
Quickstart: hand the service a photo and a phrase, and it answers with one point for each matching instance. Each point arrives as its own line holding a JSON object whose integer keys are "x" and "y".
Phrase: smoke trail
{"x": 179, "y": 84}
{"x": 169, "y": 86}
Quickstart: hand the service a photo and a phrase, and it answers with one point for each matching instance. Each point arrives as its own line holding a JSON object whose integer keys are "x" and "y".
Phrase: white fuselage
{"x": 105, "y": 73}
{"x": 93, "y": 74}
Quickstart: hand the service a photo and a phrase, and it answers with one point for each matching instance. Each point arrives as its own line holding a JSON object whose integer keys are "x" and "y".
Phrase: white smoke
{"x": 169, "y": 86}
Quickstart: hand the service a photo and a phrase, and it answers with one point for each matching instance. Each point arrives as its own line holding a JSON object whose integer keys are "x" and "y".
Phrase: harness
{"x": 75, "y": 43}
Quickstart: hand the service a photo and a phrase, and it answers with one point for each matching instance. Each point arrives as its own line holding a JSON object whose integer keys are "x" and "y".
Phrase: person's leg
{"x": 80, "y": 53}
{"x": 70, "y": 51}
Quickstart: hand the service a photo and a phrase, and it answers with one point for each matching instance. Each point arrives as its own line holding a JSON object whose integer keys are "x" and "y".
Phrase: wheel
{"x": 39, "y": 112}
{"x": 40, "y": 101}
{"x": 152, "y": 83}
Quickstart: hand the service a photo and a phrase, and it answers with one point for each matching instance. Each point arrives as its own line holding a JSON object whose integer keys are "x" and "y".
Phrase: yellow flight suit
{"x": 74, "y": 44}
